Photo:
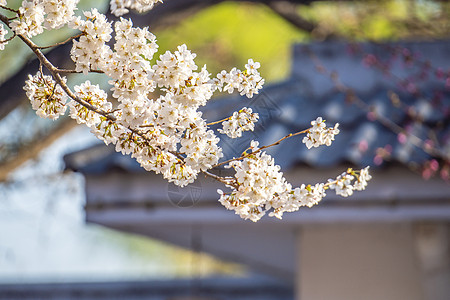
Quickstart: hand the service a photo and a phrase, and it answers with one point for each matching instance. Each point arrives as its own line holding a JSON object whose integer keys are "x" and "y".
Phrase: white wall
{"x": 359, "y": 261}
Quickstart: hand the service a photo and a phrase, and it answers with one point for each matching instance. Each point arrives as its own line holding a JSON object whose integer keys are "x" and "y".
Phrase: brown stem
{"x": 63, "y": 42}
{"x": 65, "y": 71}
{"x": 217, "y": 122}
{"x": 220, "y": 179}
{"x": 8, "y": 39}
{"x": 260, "y": 149}
{"x": 10, "y": 9}
{"x": 54, "y": 71}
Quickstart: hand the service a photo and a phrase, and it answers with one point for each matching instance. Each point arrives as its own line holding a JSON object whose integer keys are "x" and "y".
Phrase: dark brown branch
{"x": 287, "y": 10}
{"x": 63, "y": 42}
{"x": 54, "y": 71}
{"x": 10, "y": 9}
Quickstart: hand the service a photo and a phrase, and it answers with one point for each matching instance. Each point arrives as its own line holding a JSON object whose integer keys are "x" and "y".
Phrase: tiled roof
{"x": 291, "y": 105}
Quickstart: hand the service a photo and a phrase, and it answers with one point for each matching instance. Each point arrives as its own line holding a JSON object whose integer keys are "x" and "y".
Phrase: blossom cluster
{"x": 344, "y": 184}
{"x": 247, "y": 82}
{"x": 120, "y": 7}
{"x": 166, "y": 134}
{"x": 152, "y": 130}
{"x": 259, "y": 187}
{"x": 46, "y": 97}
{"x": 93, "y": 95}
{"x": 90, "y": 52}
{"x": 319, "y": 134}
{"x": 36, "y": 15}
{"x": 240, "y": 121}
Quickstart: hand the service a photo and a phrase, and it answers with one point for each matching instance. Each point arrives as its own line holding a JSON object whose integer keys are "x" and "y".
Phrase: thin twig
{"x": 8, "y": 39}
{"x": 10, "y": 9}
{"x": 260, "y": 149}
{"x": 65, "y": 71}
{"x": 63, "y": 42}
{"x": 217, "y": 122}
{"x": 221, "y": 179}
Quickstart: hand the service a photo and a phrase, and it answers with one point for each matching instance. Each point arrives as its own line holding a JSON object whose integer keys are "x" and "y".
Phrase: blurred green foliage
{"x": 228, "y": 34}
{"x": 380, "y": 20}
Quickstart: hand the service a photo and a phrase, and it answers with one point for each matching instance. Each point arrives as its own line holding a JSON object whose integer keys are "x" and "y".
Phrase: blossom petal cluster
{"x": 319, "y": 134}
{"x": 58, "y": 12}
{"x": 259, "y": 186}
{"x": 128, "y": 64}
{"x": 240, "y": 121}
{"x": 90, "y": 52}
{"x": 36, "y": 15}
{"x": 46, "y": 97}
{"x": 30, "y": 19}
{"x": 166, "y": 135}
{"x": 362, "y": 179}
{"x": 344, "y": 184}
{"x": 247, "y": 82}
{"x": 120, "y": 7}
{"x": 93, "y": 95}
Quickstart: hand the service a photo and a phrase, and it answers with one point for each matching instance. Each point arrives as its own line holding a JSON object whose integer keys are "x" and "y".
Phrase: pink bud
{"x": 378, "y": 160}
{"x": 426, "y": 173}
{"x": 402, "y": 139}
{"x": 363, "y": 146}
{"x": 434, "y": 165}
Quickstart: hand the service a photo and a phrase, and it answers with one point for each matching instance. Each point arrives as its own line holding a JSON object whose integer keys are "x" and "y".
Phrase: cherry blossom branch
{"x": 244, "y": 155}
{"x": 3, "y": 18}
{"x": 228, "y": 181}
{"x": 56, "y": 75}
{"x": 177, "y": 121}
{"x": 54, "y": 71}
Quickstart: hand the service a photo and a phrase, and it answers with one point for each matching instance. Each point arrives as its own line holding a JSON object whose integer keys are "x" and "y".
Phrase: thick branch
{"x": 287, "y": 11}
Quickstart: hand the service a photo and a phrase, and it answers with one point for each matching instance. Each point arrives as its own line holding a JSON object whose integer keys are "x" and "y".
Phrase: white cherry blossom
{"x": 46, "y": 97}
{"x": 319, "y": 134}
{"x": 120, "y": 7}
{"x": 93, "y": 95}
{"x": 240, "y": 121}
{"x": 167, "y": 134}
